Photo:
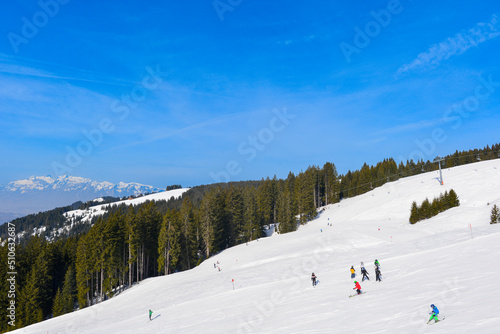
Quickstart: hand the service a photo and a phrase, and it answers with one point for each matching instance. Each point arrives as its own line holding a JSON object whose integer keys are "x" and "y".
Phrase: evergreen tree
{"x": 266, "y": 197}
{"x": 83, "y": 272}
{"x": 332, "y": 186}
{"x": 235, "y": 215}
{"x": 425, "y": 209}
{"x": 452, "y": 199}
{"x": 495, "y": 215}
{"x": 114, "y": 251}
{"x": 169, "y": 246}
{"x": 414, "y": 214}
{"x": 30, "y": 303}
{"x": 365, "y": 179}
{"x": 57, "y": 309}
{"x": 188, "y": 233}
{"x": 251, "y": 226}
{"x": 64, "y": 301}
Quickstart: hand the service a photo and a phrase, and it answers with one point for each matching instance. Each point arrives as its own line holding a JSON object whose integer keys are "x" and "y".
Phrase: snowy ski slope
{"x": 435, "y": 261}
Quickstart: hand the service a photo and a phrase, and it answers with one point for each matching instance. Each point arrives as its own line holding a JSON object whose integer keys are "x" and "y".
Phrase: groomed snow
{"x": 435, "y": 261}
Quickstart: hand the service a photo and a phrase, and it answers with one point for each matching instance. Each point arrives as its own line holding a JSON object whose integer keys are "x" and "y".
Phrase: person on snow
{"x": 365, "y": 274}
{"x": 376, "y": 263}
{"x": 313, "y": 279}
{"x": 434, "y": 314}
{"x": 378, "y": 274}
{"x": 353, "y": 272}
{"x": 357, "y": 287}
{"x": 150, "y": 313}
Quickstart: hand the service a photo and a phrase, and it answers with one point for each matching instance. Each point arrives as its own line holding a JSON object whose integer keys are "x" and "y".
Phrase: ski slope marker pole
{"x": 471, "y": 236}
{"x": 233, "y": 283}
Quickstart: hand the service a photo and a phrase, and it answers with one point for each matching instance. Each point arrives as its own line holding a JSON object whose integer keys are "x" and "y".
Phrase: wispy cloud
{"x": 455, "y": 45}
{"x": 196, "y": 126}
{"x": 409, "y": 127}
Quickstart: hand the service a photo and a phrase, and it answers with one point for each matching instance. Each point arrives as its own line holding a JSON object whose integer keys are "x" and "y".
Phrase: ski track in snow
{"x": 434, "y": 261}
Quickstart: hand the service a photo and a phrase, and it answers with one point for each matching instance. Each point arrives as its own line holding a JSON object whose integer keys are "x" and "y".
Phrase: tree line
{"x": 427, "y": 209}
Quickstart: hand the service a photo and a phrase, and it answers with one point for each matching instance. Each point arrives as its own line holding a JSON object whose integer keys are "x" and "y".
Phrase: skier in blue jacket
{"x": 434, "y": 314}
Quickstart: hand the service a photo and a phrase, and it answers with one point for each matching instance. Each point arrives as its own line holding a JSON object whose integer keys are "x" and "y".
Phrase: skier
{"x": 365, "y": 274}
{"x": 150, "y": 313}
{"x": 434, "y": 314}
{"x": 378, "y": 274}
{"x": 353, "y": 272}
{"x": 357, "y": 288}
{"x": 376, "y": 263}
{"x": 313, "y": 279}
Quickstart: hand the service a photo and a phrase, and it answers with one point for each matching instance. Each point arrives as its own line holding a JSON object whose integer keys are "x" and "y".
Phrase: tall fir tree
{"x": 495, "y": 215}
{"x": 169, "y": 245}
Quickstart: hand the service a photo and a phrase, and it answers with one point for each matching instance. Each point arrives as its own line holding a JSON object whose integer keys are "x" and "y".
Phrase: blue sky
{"x": 168, "y": 92}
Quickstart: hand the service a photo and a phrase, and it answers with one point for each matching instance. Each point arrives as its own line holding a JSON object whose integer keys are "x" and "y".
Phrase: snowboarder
{"x": 378, "y": 274}
{"x": 365, "y": 274}
{"x": 313, "y": 279}
{"x": 434, "y": 314}
{"x": 376, "y": 263}
{"x": 150, "y": 313}
{"x": 357, "y": 287}
{"x": 353, "y": 272}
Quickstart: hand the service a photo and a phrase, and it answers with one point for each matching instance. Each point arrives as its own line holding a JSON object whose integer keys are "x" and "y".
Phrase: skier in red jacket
{"x": 357, "y": 288}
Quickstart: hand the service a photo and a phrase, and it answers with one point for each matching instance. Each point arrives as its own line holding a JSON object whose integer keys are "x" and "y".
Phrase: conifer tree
{"x": 188, "y": 233}
{"x": 169, "y": 247}
{"x": 235, "y": 215}
{"x": 495, "y": 215}
{"x": 251, "y": 227}
{"x": 266, "y": 196}
{"x": 57, "y": 309}
{"x": 331, "y": 183}
{"x": 425, "y": 209}
{"x": 365, "y": 178}
{"x": 83, "y": 272}
{"x": 114, "y": 239}
{"x": 30, "y": 303}
{"x": 64, "y": 299}
{"x": 414, "y": 214}
{"x": 452, "y": 200}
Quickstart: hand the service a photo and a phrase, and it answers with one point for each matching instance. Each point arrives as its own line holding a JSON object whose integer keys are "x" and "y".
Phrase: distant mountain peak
{"x": 41, "y": 193}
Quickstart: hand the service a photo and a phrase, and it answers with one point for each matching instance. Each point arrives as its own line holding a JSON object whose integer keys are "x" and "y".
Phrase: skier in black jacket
{"x": 365, "y": 274}
{"x": 378, "y": 274}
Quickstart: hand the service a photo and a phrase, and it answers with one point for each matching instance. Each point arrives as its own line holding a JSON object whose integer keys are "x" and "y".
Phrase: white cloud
{"x": 455, "y": 45}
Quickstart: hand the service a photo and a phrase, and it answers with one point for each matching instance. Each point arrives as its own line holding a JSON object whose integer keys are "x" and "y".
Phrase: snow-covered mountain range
{"x": 40, "y": 193}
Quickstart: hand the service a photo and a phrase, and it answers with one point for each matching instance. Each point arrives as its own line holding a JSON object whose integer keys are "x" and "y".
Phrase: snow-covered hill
{"x": 449, "y": 260}
{"x": 41, "y": 193}
{"x": 97, "y": 210}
